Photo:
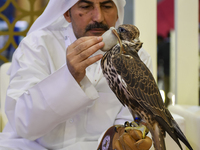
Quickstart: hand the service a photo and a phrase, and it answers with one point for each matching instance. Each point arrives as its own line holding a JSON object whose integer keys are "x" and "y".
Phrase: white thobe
{"x": 47, "y": 108}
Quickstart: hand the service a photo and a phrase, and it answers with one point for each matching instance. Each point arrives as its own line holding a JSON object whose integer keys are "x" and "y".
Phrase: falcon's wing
{"x": 143, "y": 90}
{"x": 142, "y": 86}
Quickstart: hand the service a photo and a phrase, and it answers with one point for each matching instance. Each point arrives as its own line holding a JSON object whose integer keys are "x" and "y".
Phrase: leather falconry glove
{"x": 127, "y": 137}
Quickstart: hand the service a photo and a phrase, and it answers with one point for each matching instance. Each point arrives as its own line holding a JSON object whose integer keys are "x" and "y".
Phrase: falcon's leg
{"x": 157, "y": 137}
{"x": 154, "y": 128}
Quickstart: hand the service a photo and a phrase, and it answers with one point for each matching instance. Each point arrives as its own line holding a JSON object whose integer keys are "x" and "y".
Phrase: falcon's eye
{"x": 121, "y": 30}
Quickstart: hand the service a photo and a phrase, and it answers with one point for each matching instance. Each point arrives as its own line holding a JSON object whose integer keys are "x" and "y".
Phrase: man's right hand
{"x": 78, "y": 55}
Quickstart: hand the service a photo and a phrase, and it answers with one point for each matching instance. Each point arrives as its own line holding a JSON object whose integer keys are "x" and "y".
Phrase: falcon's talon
{"x": 126, "y": 124}
{"x": 142, "y": 128}
{"x": 134, "y": 124}
{"x": 129, "y": 128}
{"x": 144, "y": 131}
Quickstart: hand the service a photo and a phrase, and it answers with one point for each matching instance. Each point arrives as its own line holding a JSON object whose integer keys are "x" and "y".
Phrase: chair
{"x": 4, "y": 82}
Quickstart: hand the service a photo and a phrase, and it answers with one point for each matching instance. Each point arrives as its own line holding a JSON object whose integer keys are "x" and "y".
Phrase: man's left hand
{"x": 118, "y": 138}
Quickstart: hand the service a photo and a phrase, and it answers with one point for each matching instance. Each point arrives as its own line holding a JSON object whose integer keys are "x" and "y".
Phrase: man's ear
{"x": 67, "y": 16}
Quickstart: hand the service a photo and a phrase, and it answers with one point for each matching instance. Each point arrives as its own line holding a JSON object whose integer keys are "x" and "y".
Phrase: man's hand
{"x": 78, "y": 55}
{"x": 131, "y": 139}
{"x": 121, "y": 138}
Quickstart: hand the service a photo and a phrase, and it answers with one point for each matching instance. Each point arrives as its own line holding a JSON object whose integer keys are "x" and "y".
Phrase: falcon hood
{"x": 56, "y": 19}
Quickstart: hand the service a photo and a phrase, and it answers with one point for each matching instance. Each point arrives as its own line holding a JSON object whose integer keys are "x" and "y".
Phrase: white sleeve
{"x": 123, "y": 116}
{"x": 146, "y": 58}
{"x": 38, "y": 100}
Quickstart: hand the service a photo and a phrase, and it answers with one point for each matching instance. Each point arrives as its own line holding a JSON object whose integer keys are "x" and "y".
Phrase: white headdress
{"x": 52, "y": 16}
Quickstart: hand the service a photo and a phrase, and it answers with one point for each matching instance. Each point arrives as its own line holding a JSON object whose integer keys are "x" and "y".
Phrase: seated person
{"x": 58, "y": 98}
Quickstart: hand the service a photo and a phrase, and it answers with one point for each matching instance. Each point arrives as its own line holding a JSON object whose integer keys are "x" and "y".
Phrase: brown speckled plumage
{"x": 135, "y": 87}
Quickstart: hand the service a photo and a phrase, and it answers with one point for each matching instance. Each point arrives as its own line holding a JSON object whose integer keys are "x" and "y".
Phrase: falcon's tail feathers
{"x": 180, "y": 135}
{"x": 169, "y": 131}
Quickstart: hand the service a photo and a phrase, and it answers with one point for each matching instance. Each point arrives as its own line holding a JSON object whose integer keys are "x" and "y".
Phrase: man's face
{"x": 92, "y": 17}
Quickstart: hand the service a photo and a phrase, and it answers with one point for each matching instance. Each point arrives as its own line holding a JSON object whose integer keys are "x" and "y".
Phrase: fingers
{"x": 136, "y": 134}
{"x": 132, "y": 139}
{"x": 78, "y": 55}
{"x": 128, "y": 141}
{"x": 144, "y": 144}
{"x": 84, "y": 47}
{"x": 118, "y": 145}
{"x": 84, "y": 63}
{"x": 125, "y": 142}
{"x": 140, "y": 143}
{"x": 119, "y": 129}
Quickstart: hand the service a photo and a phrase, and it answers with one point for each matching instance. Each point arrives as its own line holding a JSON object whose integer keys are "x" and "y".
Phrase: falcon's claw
{"x": 127, "y": 124}
{"x": 135, "y": 126}
{"x": 143, "y": 129}
{"x": 132, "y": 124}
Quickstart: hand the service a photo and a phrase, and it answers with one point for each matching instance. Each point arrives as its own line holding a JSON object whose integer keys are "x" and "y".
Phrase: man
{"x": 57, "y": 97}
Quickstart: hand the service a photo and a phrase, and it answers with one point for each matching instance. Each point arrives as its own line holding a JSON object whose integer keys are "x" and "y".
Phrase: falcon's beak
{"x": 119, "y": 40}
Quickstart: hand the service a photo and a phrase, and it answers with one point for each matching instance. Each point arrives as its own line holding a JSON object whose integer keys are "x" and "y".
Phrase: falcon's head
{"x": 130, "y": 33}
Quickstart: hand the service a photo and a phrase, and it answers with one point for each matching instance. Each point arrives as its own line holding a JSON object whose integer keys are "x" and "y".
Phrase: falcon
{"x": 135, "y": 87}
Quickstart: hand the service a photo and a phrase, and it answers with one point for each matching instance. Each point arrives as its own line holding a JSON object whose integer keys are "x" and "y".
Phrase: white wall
{"x": 145, "y": 18}
{"x": 186, "y": 55}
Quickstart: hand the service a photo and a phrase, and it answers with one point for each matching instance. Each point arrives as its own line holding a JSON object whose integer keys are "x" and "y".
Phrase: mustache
{"x": 96, "y": 25}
